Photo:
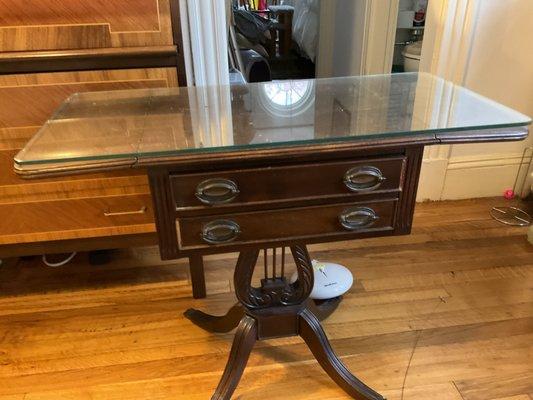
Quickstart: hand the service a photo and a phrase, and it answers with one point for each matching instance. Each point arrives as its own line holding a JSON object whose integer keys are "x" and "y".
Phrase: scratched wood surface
{"x": 445, "y": 313}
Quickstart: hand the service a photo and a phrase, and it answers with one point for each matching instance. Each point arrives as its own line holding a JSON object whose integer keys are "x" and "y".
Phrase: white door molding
{"x": 205, "y": 37}
{"x": 380, "y": 35}
{"x": 372, "y": 41}
{"x": 446, "y": 50}
{"x": 205, "y": 43}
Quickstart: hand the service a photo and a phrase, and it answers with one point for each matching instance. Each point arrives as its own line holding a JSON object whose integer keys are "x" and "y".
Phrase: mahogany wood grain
{"x": 264, "y": 228}
{"x": 217, "y": 324}
{"x": 314, "y": 336}
{"x": 399, "y": 223}
{"x": 243, "y": 344}
{"x": 56, "y": 25}
{"x": 196, "y": 268}
{"x": 275, "y": 184}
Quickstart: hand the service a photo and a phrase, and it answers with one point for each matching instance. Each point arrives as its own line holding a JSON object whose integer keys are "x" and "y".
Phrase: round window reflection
{"x": 287, "y": 97}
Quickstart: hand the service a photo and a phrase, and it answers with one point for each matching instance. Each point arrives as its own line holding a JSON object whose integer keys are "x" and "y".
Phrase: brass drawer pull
{"x": 142, "y": 210}
{"x": 361, "y": 179}
{"x": 220, "y": 231}
{"x": 216, "y": 191}
{"x": 357, "y": 218}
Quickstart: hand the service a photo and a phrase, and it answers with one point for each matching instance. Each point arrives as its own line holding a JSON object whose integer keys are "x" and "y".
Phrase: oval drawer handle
{"x": 357, "y": 218}
{"x": 216, "y": 191}
{"x": 142, "y": 210}
{"x": 366, "y": 178}
{"x": 220, "y": 231}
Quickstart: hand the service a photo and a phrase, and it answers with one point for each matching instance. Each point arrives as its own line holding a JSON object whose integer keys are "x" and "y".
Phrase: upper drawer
{"x": 307, "y": 181}
{"x": 61, "y": 25}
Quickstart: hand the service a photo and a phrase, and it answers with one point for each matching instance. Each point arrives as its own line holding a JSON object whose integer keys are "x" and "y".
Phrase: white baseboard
{"x": 432, "y": 179}
{"x": 470, "y": 177}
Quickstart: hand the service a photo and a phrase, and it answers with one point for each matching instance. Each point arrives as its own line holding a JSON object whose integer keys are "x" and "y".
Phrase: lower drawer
{"x": 75, "y": 218}
{"x": 339, "y": 220}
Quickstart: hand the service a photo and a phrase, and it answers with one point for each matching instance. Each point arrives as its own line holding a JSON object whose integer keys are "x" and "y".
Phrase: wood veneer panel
{"x": 67, "y": 208}
{"x": 13, "y": 189}
{"x": 28, "y": 100}
{"x": 55, "y": 25}
{"x": 74, "y": 219}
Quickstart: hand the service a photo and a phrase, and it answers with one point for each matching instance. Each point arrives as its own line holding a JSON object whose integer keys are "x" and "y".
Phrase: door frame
{"x": 376, "y": 42}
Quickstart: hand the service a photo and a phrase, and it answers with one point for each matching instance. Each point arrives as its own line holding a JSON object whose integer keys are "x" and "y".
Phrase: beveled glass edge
{"x": 68, "y": 168}
{"x": 464, "y": 134}
{"x": 510, "y": 133}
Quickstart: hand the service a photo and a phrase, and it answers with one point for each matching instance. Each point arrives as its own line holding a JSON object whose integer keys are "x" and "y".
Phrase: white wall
{"x": 497, "y": 61}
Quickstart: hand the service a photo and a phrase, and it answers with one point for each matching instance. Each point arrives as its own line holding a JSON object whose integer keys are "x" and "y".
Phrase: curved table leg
{"x": 243, "y": 343}
{"x": 215, "y": 324}
{"x": 312, "y": 333}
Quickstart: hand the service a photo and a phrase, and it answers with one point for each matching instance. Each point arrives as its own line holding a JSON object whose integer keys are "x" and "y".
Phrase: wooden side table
{"x": 304, "y": 162}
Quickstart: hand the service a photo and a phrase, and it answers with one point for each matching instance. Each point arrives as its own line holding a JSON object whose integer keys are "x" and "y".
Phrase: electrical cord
{"x": 60, "y": 263}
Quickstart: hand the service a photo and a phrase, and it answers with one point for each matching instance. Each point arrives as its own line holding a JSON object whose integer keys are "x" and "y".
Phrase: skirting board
{"x": 447, "y": 180}
{"x": 432, "y": 178}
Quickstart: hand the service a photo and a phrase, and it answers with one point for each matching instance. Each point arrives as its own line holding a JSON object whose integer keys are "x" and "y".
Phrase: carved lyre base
{"x": 276, "y": 309}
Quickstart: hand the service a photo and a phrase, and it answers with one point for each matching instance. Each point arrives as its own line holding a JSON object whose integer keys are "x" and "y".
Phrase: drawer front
{"x": 60, "y": 25}
{"x": 267, "y": 185}
{"x": 28, "y": 100}
{"x": 75, "y": 219}
{"x": 334, "y": 221}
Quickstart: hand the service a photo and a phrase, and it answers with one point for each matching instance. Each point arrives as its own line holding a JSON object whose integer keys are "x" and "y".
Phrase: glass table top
{"x": 127, "y": 127}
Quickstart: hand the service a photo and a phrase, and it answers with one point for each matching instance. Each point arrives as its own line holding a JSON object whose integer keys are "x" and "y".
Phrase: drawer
{"x": 330, "y": 222}
{"x": 61, "y": 25}
{"x": 28, "y": 100}
{"x": 277, "y": 184}
{"x": 75, "y": 219}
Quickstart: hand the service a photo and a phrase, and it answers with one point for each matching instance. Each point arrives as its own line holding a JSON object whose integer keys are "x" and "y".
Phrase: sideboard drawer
{"x": 306, "y": 223}
{"x": 307, "y": 181}
{"x": 75, "y": 218}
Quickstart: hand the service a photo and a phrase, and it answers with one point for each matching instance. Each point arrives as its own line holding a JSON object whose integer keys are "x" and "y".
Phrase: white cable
{"x": 60, "y": 263}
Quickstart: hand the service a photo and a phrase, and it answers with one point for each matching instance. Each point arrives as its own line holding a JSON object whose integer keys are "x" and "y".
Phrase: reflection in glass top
{"x": 125, "y": 126}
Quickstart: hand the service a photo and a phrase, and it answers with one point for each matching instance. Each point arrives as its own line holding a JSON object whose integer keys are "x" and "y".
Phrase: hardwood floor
{"x": 445, "y": 313}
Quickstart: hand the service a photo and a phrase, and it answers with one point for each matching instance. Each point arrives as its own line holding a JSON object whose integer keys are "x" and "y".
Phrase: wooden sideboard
{"x": 48, "y": 51}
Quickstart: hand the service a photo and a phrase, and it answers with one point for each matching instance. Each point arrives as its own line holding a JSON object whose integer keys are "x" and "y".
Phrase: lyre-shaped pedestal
{"x": 276, "y": 309}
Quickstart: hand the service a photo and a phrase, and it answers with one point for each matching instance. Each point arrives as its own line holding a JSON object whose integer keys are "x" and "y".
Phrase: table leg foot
{"x": 216, "y": 324}
{"x": 312, "y": 333}
{"x": 243, "y": 343}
